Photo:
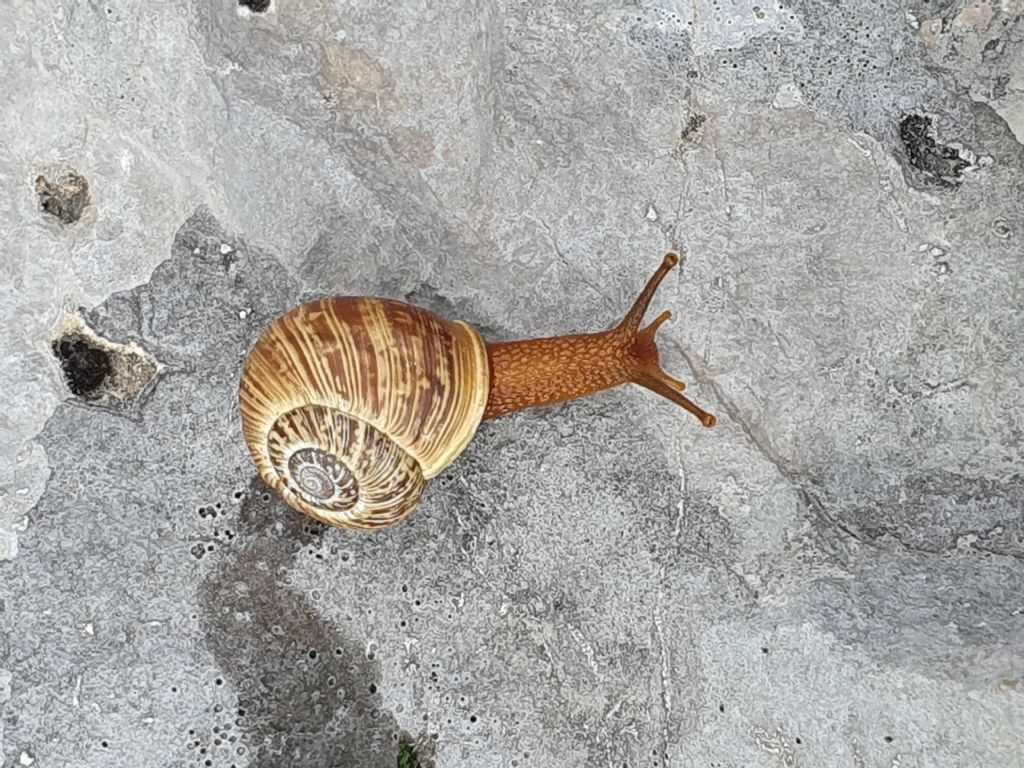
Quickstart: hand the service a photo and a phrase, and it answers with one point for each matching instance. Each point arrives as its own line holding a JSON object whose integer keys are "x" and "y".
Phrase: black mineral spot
{"x": 65, "y": 197}
{"x": 86, "y": 365}
{"x": 941, "y": 165}
{"x": 692, "y": 124}
{"x": 256, "y": 6}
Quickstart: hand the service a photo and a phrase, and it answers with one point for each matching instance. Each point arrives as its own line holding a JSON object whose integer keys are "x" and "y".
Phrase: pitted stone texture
{"x": 598, "y": 583}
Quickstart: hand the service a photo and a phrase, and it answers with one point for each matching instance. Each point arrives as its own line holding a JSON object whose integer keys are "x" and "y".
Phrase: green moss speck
{"x": 407, "y": 756}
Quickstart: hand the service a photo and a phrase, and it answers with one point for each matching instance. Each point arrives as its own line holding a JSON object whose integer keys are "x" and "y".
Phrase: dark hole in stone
{"x": 86, "y": 366}
{"x": 64, "y": 198}
{"x": 943, "y": 165}
{"x": 256, "y": 6}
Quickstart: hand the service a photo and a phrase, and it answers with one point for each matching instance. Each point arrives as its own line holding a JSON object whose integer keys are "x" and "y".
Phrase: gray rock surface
{"x": 833, "y": 576}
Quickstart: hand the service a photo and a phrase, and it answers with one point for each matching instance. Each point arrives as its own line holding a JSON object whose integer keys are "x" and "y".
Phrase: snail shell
{"x": 349, "y": 405}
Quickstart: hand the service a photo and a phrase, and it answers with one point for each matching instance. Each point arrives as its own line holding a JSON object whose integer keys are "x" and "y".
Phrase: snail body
{"x": 350, "y": 404}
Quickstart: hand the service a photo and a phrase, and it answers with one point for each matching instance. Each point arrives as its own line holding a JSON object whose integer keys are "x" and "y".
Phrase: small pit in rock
{"x": 118, "y": 377}
{"x": 85, "y": 365}
{"x": 940, "y": 164}
{"x": 256, "y": 6}
{"x": 691, "y": 129}
{"x": 64, "y": 197}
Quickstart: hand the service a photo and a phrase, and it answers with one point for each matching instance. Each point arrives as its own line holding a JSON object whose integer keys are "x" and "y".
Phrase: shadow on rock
{"x": 303, "y": 689}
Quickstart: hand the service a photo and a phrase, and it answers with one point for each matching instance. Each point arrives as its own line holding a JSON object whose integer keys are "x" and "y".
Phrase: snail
{"x": 350, "y": 404}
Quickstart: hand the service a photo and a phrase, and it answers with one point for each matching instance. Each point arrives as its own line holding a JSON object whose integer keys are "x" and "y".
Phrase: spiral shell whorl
{"x": 341, "y": 470}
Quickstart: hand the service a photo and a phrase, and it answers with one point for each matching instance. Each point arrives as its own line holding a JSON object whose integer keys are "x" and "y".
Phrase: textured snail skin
{"x": 349, "y": 405}
{"x": 536, "y": 372}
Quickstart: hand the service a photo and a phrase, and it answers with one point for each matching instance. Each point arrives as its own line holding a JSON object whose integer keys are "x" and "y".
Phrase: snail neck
{"x": 537, "y": 372}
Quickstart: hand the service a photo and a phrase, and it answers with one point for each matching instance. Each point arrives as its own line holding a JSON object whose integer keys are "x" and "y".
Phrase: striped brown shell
{"x": 350, "y": 404}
